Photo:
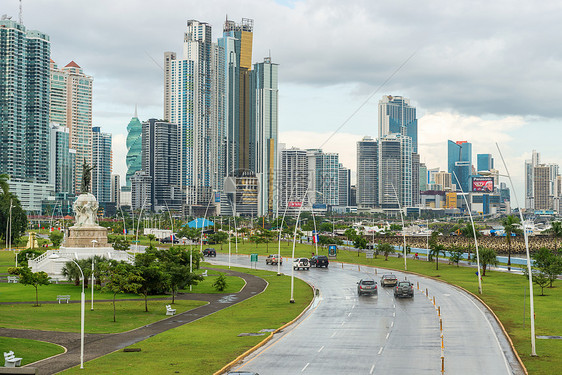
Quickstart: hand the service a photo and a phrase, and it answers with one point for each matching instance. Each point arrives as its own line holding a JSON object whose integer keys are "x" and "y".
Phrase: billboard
{"x": 294, "y": 204}
{"x": 483, "y": 184}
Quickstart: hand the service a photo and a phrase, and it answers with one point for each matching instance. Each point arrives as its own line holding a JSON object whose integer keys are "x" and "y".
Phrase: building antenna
{"x": 21, "y": 13}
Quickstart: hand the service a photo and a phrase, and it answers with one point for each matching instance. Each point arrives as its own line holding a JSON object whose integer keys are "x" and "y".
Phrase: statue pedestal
{"x": 83, "y": 237}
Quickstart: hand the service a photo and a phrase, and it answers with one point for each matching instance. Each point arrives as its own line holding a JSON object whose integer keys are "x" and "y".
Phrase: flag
{"x": 315, "y": 238}
{"x": 124, "y": 231}
{"x": 172, "y": 237}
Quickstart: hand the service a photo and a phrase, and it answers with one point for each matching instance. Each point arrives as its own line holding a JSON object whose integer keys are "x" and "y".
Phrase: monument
{"x": 85, "y": 239}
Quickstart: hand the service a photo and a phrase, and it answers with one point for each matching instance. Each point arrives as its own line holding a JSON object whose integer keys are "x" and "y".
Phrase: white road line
{"x": 393, "y": 306}
{"x": 391, "y": 324}
{"x": 380, "y": 350}
{"x": 349, "y": 314}
{"x": 342, "y": 323}
{"x": 372, "y": 369}
{"x": 333, "y": 334}
{"x": 393, "y": 314}
{"x": 352, "y": 307}
{"x": 319, "y": 350}
{"x": 304, "y": 368}
{"x": 388, "y": 334}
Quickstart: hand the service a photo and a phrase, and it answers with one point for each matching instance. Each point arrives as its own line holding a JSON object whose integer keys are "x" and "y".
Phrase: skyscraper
{"x": 397, "y": 116}
{"x": 102, "y": 160}
{"x": 460, "y": 163}
{"x": 116, "y": 190}
{"x": 344, "y": 186}
{"x": 484, "y": 162}
{"x": 395, "y": 171}
{"x": 529, "y": 178}
{"x": 160, "y": 151}
{"x": 293, "y": 179}
{"x": 24, "y": 103}
{"x": 541, "y": 188}
{"x": 71, "y": 106}
{"x": 264, "y": 131}
{"x": 324, "y": 177}
{"x": 62, "y": 161}
{"x": 367, "y": 173}
{"x": 134, "y": 148}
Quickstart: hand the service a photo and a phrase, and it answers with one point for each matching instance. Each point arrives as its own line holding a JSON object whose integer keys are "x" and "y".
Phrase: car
{"x": 169, "y": 240}
{"x": 389, "y": 280}
{"x": 404, "y": 289}
{"x": 299, "y": 263}
{"x": 210, "y": 252}
{"x": 319, "y": 261}
{"x": 273, "y": 259}
{"x": 367, "y": 286}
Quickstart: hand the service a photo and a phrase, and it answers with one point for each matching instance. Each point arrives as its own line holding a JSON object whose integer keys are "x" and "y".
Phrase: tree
{"x": 220, "y": 282}
{"x": 218, "y": 237}
{"x": 360, "y": 243}
{"x": 19, "y": 218}
{"x": 434, "y": 250}
{"x": 468, "y": 232}
{"x": 556, "y": 231}
{"x": 121, "y": 243}
{"x": 385, "y": 249}
{"x": 455, "y": 254}
{"x": 488, "y": 257}
{"x": 56, "y": 237}
{"x": 151, "y": 238}
{"x": 154, "y": 279}
{"x": 175, "y": 262}
{"x": 510, "y": 225}
{"x": 119, "y": 277}
{"x": 539, "y": 278}
{"x": 27, "y": 277}
{"x": 350, "y": 234}
{"x": 548, "y": 263}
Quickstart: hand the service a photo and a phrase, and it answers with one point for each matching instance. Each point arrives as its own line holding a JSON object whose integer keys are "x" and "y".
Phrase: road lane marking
{"x": 349, "y": 314}
{"x": 319, "y": 350}
{"x": 388, "y": 334}
{"x": 391, "y": 324}
{"x": 333, "y": 334}
{"x": 372, "y": 369}
{"x": 342, "y": 323}
{"x": 393, "y": 306}
{"x": 393, "y": 314}
{"x": 304, "y": 368}
{"x": 380, "y": 350}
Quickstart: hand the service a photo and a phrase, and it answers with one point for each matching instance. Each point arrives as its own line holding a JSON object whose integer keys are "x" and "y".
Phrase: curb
{"x": 267, "y": 339}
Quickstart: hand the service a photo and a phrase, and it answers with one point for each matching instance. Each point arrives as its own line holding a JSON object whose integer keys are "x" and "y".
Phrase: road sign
{"x": 369, "y": 254}
{"x": 253, "y": 259}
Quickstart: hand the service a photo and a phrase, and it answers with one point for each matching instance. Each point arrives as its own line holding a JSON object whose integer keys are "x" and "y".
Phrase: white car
{"x": 299, "y": 263}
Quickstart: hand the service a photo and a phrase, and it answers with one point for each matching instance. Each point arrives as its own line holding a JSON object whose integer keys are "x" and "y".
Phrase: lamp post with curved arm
{"x": 403, "y": 225}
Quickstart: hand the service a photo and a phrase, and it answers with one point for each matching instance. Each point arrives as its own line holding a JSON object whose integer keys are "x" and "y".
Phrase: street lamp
{"x": 94, "y": 242}
{"x": 473, "y": 232}
{"x": 531, "y": 297}
{"x": 82, "y": 305}
{"x": 403, "y": 225}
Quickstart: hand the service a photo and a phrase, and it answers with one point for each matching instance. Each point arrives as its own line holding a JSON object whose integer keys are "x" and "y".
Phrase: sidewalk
{"x": 97, "y": 345}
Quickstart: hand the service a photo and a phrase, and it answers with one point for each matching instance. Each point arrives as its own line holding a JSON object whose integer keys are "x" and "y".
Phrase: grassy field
{"x": 205, "y": 346}
{"x": 29, "y": 350}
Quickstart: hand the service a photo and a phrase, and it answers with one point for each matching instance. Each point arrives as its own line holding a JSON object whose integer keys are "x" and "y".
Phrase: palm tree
{"x": 510, "y": 225}
{"x": 434, "y": 251}
{"x": 556, "y": 231}
{"x": 488, "y": 257}
{"x": 468, "y": 231}
{"x": 386, "y": 249}
{"x": 4, "y": 183}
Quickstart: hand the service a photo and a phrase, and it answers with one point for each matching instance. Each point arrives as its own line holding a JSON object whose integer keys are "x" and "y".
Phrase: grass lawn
{"x": 205, "y": 346}
{"x": 29, "y": 350}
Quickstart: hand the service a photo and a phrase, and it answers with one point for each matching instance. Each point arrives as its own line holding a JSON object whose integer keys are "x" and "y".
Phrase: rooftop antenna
{"x": 21, "y": 13}
{"x": 136, "y": 111}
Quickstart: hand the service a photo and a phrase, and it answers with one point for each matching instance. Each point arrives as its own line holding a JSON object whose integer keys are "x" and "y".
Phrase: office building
{"x": 264, "y": 131}
{"x": 115, "y": 192}
{"x": 24, "y": 104}
{"x": 293, "y": 180}
{"x": 529, "y": 178}
{"x": 71, "y": 106}
{"x": 324, "y": 177}
{"x": 344, "y": 188}
{"x": 444, "y": 181}
{"x": 160, "y": 151}
{"x": 102, "y": 162}
{"x": 415, "y": 179}
{"x": 423, "y": 177}
{"x": 395, "y": 171}
{"x": 134, "y": 148}
{"x": 62, "y": 161}
{"x": 541, "y": 187}
{"x": 484, "y": 162}
{"x": 141, "y": 184}
{"x": 460, "y": 163}
{"x": 397, "y": 116}
{"x": 367, "y": 173}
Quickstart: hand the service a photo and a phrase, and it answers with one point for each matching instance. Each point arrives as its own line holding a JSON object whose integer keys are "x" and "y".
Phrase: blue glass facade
{"x": 459, "y": 163}
{"x": 397, "y": 116}
{"x": 484, "y": 162}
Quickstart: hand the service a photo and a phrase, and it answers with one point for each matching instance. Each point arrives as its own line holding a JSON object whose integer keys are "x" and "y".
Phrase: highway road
{"x": 345, "y": 334}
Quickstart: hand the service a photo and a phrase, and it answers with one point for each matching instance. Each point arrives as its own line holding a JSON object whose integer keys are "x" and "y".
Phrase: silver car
{"x": 367, "y": 286}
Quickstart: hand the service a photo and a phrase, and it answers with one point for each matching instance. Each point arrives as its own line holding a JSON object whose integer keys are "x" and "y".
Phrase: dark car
{"x": 319, "y": 261}
{"x": 274, "y": 259}
{"x": 367, "y": 286}
{"x": 389, "y": 280}
{"x": 404, "y": 289}
{"x": 169, "y": 240}
{"x": 210, "y": 252}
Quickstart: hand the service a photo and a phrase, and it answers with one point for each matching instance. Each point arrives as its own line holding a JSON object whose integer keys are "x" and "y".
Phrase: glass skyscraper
{"x": 459, "y": 163}
{"x": 367, "y": 173}
{"x": 397, "y": 116}
{"x": 134, "y": 148}
{"x": 484, "y": 162}
{"x": 101, "y": 159}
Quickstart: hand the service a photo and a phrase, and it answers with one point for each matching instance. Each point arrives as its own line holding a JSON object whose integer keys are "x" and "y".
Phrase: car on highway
{"x": 389, "y": 280}
{"x": 210, "y": 252}
{"x": 404, "y": 289}
{"x": 169, "y": 240}
{"x": 299, "y": 263}
{"x": 273, "y": 259}
{"x": 367, "y": 286}
{"x": 319, "y": 261}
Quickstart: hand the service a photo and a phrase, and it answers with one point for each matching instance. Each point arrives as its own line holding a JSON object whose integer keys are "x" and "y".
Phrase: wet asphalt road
{"x": 347, "y": 334}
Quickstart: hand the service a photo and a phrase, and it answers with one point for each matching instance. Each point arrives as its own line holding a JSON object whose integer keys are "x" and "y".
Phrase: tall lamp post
{"x": 474, "y": 232}
{"x": 82, "y": 307}
{"x": 403, "y": 225}
{"x": 94, "y": 242}
{"x": 531, "y": 299}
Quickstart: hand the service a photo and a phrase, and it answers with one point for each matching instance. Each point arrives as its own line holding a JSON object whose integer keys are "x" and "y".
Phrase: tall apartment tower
{"x": 397, "y": 116}
{"x": 160, "y": 150}
{"x": 24, "y": 103}
{"x": 115, "y": 191}
{"x": 344, "y": 186}
{"x": 367, "y": 173}
{"x": 395, "y": 171}
{"x": 423, "y": 177}
{"x": 168, "y": 58}
{"x": 236, "y": 45}
{"x": 541, "y": 187}
{"x": 324, "y": 177}
{"x": 71, "y": 106}
{"x": 62, "y": 161}
{"x": 134, "y": 148}
{"x": 102, "y": 160}
{"x": 416, "y": 179}
{"x": 293, "y": 179}
{"x": 265, "y": 131}
{"x": 529, "y": 178}
{"x": 460, "y": 163}
{"x": 191, "y": 99}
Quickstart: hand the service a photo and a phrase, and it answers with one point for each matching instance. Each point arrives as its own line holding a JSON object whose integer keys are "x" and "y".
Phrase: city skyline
{"x": 460, "y": 52}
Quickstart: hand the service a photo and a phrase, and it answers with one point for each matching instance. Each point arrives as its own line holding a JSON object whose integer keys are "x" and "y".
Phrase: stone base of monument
{"x": 83, "y": 236}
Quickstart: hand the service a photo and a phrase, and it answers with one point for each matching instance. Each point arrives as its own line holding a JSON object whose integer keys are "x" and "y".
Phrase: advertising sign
{"x": 319, "y": 206}
{"x": 332, "y": 251}
{"x": 484, "y": 184}
{"x": 295, "y": 204}
{"x": 217, "y": 197}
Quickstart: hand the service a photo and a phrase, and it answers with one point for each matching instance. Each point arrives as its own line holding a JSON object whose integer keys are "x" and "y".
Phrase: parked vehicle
{"x": 169, "y": 240}
{"x": 299, "y": 263}
{"x": 404, "y": 289}
{"x": 367, "y": 286}
{"x": 210, "y": 252}
{"x": 319, "y": 261}
{"x": 273, "y": 259}
{"x": 389, "y": 280}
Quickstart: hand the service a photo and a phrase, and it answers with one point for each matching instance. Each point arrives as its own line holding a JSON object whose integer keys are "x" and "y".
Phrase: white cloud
{"x": 119, "y": 148}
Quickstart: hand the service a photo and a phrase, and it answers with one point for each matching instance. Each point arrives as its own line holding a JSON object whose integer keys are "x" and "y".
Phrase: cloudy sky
{"x": 480, "y": 71}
